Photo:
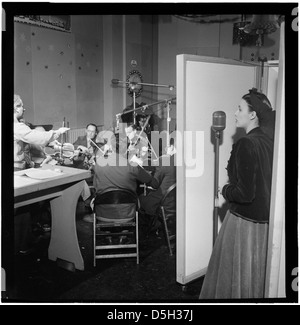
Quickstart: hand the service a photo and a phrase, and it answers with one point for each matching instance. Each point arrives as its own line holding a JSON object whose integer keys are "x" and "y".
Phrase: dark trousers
{"x": 22, "y": 231}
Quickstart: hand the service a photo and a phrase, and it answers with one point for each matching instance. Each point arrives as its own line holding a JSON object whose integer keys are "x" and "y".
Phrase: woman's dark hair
{"x": 262, "y": 97}
{"x": 259, "y": 103}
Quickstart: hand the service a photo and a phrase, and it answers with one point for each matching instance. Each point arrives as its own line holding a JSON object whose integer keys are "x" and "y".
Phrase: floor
{"x": 38, "y": 279}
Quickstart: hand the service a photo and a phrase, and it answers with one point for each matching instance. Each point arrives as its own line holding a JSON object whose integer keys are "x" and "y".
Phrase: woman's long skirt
{"x": 237, "y": 265}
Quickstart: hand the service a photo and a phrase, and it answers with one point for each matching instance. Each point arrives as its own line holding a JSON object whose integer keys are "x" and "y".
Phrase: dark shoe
{"x": 26, "y": 251}
{"x": 124, "y": 240}
{"x": 32, "y": 246}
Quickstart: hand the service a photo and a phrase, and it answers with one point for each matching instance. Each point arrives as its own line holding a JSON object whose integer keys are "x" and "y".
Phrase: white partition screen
{"x": 204, "y": 85}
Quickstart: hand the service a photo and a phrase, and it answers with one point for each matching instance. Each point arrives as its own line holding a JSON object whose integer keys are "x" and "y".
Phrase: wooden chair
{"x": 167, "y": 210}
{"x": 108, "y": 235}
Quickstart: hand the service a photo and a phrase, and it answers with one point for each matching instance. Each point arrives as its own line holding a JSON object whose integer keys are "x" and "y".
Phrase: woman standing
{"x": 238, "y": 262}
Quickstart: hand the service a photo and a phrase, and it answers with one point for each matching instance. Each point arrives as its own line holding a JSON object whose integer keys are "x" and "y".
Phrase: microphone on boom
{"x": 115, "y": 81}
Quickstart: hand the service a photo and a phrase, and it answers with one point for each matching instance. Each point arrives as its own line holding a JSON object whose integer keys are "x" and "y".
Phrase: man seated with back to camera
{"x": 116, "y": 172}
{"x": 165, "y": 174}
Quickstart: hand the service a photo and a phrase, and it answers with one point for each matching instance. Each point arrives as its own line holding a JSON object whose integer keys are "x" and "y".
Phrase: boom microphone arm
{"x": 143, "y": 108}
{"x": 117, "y": 81}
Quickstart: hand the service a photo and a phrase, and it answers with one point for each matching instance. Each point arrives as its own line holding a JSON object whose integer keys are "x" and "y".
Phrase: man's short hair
{"x": 92, "y": 125}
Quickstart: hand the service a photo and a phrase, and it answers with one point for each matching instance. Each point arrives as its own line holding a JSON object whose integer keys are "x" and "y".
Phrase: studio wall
{"x": 60, "y": 74}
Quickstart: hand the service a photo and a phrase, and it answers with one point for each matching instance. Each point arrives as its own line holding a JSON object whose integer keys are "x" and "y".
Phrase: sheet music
{"x": 38, "y": 173}
{"x": 42, "y": 173}
{"x": 21, "y": 181}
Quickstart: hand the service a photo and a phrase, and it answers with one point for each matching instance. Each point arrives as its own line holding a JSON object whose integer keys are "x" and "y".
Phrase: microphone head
{"x": 115, "y": 81}
{"x": 219, "y": 121}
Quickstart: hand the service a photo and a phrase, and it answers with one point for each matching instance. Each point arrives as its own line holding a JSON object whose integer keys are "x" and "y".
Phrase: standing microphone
{"x": 118, "y": 117}
{"x": 115, "y": 81}
{"x": 219, "y": 121}
{"x": 219, "y": 124}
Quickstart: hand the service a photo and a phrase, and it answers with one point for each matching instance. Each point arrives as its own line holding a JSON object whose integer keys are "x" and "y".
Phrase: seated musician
{"x": 138, "y": 143}
{"x": 144, "y": 125}
{"x": 86, "y": 148}
{"x": 85, "y": 145}
{"x": 116, "y": 172}
{"x": 165, "y": 174}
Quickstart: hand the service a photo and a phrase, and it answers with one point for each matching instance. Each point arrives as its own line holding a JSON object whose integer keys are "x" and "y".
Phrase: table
{"x": 63, "y": 191}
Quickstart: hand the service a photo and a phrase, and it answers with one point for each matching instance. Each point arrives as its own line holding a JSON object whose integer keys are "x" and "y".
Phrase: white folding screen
{"x": 275, "y": 285}
{"x": 204, "y": 85}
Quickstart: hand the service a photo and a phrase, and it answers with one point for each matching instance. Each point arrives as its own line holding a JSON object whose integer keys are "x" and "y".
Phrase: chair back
{"x": 116, "y": 196}
{"x": 119, "y": 205}
{"x": 168, "y": 201}
{"x": 167, "y": 213}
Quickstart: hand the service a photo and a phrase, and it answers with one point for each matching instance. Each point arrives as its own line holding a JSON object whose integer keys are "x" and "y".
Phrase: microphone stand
{"x": 62, "y": 143}
{"x": 134, "y": 113}
{"x": 168, "y": 123}
{"x": 216, "y": 200}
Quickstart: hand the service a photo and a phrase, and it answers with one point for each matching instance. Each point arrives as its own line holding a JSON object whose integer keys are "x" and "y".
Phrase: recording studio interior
{"x": 162, "y": 87}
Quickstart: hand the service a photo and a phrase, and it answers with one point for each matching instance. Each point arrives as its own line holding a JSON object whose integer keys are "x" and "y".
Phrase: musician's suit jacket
{"x": 165, "y": 174}
{"x": 81, "y": 141}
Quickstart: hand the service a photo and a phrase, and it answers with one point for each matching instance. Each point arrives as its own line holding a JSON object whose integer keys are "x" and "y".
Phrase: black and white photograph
{"x": 150, "y": 159}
